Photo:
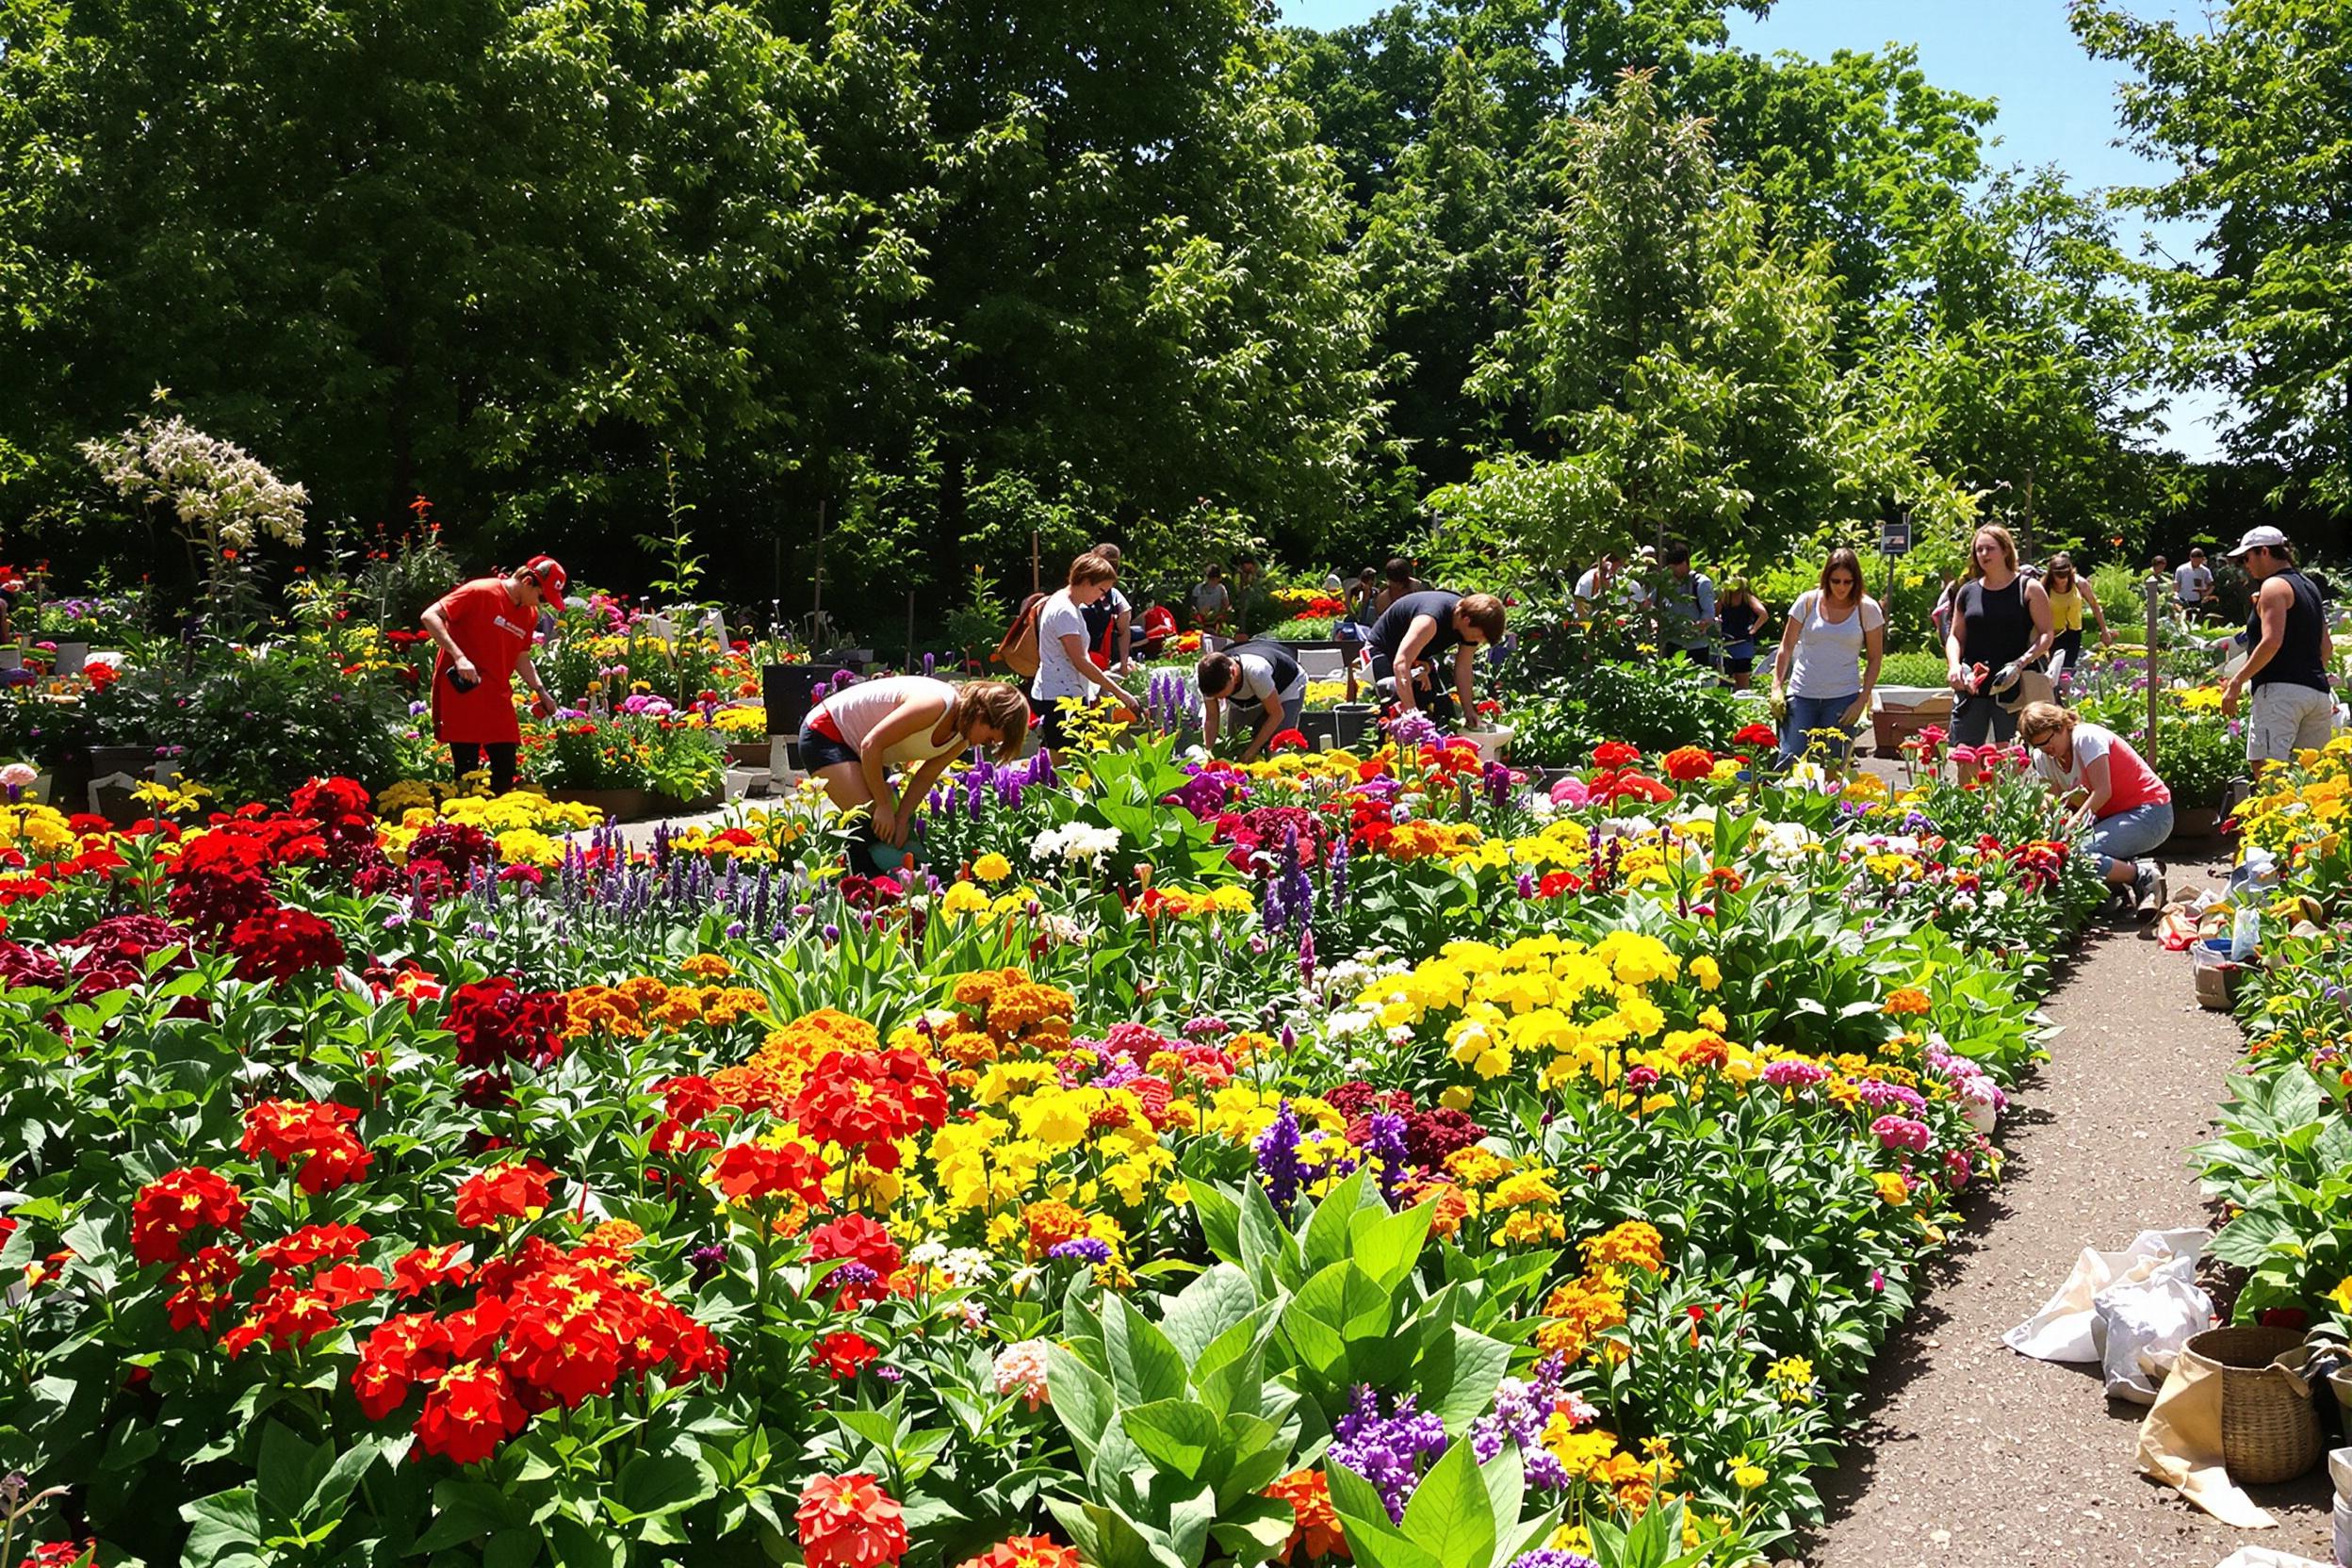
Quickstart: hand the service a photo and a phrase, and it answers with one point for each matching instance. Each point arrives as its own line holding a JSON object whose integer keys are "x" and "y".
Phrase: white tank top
{"x": 864, "y": 708}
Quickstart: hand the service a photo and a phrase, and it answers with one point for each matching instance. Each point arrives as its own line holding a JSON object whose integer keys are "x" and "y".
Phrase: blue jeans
{"x": 2129, "y": 835}
{"x": 1810, "y": 713}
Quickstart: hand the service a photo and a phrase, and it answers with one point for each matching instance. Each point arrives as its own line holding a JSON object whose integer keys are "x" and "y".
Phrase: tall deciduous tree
{"x": 2256, "y": 113}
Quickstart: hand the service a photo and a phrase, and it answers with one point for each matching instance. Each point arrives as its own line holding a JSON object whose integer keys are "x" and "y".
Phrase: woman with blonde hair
{"x": 2097, "y": 771}
{"x": 853, "y": 737}
{"x": 1065, "y": 673}
{"x": 2069, "y": 596}
{"x": 1999, "y": 629}
{"x": 1829, "y": 656}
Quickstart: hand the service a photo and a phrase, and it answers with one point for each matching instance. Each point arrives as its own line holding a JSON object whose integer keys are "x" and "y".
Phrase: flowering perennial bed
{"x": 1333, "y": 1157}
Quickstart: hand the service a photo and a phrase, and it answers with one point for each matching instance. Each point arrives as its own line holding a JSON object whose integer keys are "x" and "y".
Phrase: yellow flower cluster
{"x": 2303, "y": 804}
{"x": 639, "y": 1005}
{"x": 42, "y": 829}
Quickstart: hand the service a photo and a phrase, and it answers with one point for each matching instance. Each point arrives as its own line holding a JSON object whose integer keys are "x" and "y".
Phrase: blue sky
{"x": 2057, "y": 104}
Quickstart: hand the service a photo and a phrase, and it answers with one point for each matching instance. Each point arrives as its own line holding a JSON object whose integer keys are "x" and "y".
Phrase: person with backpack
{"x": 1065, "y": 673}
{"x": 1263, "y": 685}
{"x": 1110, "y": 621}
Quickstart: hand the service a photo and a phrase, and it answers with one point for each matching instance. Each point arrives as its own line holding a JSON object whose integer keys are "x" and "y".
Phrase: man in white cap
{"x": 2287, "y": 671}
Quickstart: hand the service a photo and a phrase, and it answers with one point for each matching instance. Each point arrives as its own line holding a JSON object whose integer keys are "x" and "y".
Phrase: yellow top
{"x": 2066, "y": 609}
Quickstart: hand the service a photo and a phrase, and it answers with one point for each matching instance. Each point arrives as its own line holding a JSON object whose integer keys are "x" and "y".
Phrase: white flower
{"x": 17, "y": 776}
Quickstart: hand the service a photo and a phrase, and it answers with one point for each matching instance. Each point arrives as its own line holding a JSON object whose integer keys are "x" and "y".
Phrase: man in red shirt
{"x": 484, "y": 630}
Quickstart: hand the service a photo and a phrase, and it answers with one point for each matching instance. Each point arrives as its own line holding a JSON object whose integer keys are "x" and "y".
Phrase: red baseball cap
{"x": 552, "y": 579}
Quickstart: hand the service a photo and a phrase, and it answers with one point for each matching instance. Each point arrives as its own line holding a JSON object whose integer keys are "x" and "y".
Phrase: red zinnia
{"x": 850, "y": 1522}
{"x": 1615, "y": 753}
{"x": 1689, "y": 764}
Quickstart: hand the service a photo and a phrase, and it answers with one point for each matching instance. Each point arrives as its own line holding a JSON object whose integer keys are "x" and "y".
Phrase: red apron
{"x": 493, "y": 631}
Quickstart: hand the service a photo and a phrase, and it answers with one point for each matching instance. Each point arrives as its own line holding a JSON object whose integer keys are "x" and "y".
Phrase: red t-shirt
{"x": 2130, "y": 780}
{"x": 493, "y": 632}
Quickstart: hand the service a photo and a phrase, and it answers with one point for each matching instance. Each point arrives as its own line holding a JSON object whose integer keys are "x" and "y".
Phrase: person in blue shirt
{"x": 1686, "y": 609}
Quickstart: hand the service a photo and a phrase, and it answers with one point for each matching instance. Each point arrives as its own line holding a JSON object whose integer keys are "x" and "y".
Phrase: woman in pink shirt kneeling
{"x": 2129, "y": 807}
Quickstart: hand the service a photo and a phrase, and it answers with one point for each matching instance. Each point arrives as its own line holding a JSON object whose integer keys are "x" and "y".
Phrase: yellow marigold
{"x": 1706, "y": 971}
{"x": 708, "y": 966}
{"x": 962, "y": 898}
{"x": 991, "y": 867}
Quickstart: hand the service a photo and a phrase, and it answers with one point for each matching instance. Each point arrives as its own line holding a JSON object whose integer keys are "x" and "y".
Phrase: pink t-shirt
{"x": 2130, "y": 780}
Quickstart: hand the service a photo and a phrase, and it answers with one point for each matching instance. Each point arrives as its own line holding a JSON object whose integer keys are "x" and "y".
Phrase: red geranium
{"x": 489, "y": 1198}
{"x": 872, "y": 1258}
{"x": 841, "y": 1356}
{"x": 850, "y": 1522}
{"x": 864, "y": 1100}
{"x": 497, "y": 1021}
{"x": 755, "y": 1171}
{"x": 471, "y": 1410}
{"x": 169, "y": 1209}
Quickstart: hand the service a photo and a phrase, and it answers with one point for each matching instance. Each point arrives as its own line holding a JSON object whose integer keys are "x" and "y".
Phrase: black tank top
{"x": 1739, "y": 620}
{"x": 1995, "y": 628}
{"x": 2297, "y": 661}
{"x": 1388, "y": 633}
{"x": 1285, "y": 668}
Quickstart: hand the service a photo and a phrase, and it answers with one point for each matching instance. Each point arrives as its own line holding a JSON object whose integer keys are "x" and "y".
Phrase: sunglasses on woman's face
{"x": 1841, "y": 583}
{"x": 1988, "y": 549}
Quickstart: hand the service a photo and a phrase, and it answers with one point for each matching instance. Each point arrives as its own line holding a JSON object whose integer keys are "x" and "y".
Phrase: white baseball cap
{"x": 2264, "y": 538}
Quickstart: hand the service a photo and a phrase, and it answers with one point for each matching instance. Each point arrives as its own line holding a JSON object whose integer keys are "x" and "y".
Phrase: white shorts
{"x": 2284, "y": 719}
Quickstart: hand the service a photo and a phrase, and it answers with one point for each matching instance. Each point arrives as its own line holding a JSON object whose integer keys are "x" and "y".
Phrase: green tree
{"x": 2255, "y": 111}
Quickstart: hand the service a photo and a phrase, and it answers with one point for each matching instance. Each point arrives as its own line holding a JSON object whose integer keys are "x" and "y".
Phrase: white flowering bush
{"x": 223, "y": 497}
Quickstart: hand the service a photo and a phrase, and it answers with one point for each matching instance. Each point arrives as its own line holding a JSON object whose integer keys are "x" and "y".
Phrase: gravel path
{"x": 1975, "y": 1455}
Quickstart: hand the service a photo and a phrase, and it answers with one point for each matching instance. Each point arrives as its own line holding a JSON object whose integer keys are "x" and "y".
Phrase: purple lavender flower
{"x": 1388, "y": 1450}
{"x": 1552, "y": 1556}
{"x": 1385, "y": 1142}
{"x": 1278, "y": 1166}
{"x": 1084, "y": 1248}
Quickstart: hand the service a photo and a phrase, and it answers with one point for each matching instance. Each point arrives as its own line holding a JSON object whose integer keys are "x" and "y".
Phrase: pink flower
{"x": 1878, "y": 1280}
{"x": 1570, "y": 792}
{"x": 1901, "y": 1132}
{"x": 1020, "y": 1369}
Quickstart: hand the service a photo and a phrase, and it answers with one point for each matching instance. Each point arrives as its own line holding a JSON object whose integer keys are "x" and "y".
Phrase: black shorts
{"x": 1053, "y": 723}
{"x": 1978, "y": 719}
{"x": 819, "y": 751}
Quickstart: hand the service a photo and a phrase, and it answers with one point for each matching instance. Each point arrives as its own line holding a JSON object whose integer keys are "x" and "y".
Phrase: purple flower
{"x": 707, "y": 1261}
{"x": 1279, "y": 1166}
{"x": 1084, "y": 1248}
{"x": 1553, "y": 1556}
{"x": 1385, "y": 1142}
{"x": 1388, "y": 1450}
{"x": 1521, "y": 1412}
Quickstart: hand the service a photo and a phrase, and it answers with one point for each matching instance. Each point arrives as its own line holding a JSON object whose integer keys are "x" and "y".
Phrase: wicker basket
{"x": 2269, "y": 1431}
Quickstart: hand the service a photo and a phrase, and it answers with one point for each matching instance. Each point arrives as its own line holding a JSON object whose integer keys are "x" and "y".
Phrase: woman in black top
{"x": 2000, "y": 617}
{"x": 1742, "y": 615}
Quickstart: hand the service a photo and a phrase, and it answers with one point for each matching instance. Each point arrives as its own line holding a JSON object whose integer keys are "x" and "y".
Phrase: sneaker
{"x": 2147, "y": 890}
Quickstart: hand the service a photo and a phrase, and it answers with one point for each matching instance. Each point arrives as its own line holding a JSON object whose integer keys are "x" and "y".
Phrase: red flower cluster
{"x": 842, "y": 1356}
{"x": 850, "y": 1522}
{"x": 547, "y": 1326}
{"x": 755, "y": 1171}
{"x": 496, "y": 1021}
{"x": 178, "y": 1204}
{"x": 316, "y": 1136}
{"x": 872, "y": 1257}
{"x": 489, "y": 1198}
{"x": 1756, "y": 735}
{"x": 343, "y": 810}
{"x": 1689, "y": 764}
{"x": 281, "y": 943}
{"x": 64, "y": 1554}
{"x": 425, "y": 1269}
{"x": 220, "y": 879}
{"x": 864, "y": 1100}
{"x": 1615, "y": 784}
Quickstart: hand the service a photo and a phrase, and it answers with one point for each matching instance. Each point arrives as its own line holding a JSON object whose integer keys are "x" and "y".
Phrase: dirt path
{"x": 1975, "y": 1455}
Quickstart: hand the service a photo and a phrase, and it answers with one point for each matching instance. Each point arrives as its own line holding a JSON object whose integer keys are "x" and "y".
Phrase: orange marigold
{"x": 1908, "y": 1002}
{"x": 1315, "y": 1531}
{"x": 1051, "y": 1222}
{"x": 1025, "y": 1551}
{"x": 1633, "y": 1243}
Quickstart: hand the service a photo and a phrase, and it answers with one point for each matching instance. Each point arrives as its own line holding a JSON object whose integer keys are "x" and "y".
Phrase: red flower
{"x": 203, "y": 1283}
{"x": 1034, "y": 1551}
{"x": 405, "y": 1350}
{"x": 1756, "y": 735}
{"x": 172, "y": 1207}
{"x": 864, "y": 1100}
{"x": 1615, "y": 753}
{"x": 427, "y": 1268}
{"x": 312, "y": 1243}
{"x": 285, "y": 1317}
{"x": 849, "y": 1522}
{"x": 1689, "y": 764}
{"x": 1286, "y": 740}
{"x": 503, "y": 1192}
{"x": 497, "y": 1021}
{"x": 841, "y": 1356}
{"x": 872, "y": 1258}
{"x": 471, "y": 1410}
{"x": 688, "y": 1100}
{"x": 64, "y": 1554}
{"x": 280, "y": 943}
{"x": 755, "y": 1171}
{"x": 314, "y": 1134}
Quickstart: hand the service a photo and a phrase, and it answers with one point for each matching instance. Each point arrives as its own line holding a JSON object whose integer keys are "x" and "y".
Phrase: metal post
{"x": 1034, "y": 577}
{"x": 910, "y": 635}
{"x": 2150, "y": 591}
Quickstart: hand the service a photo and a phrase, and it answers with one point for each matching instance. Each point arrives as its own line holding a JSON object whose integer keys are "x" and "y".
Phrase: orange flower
{"x": 1025, "y": 1551}
{"x": 1317, "y": 1527}
{"x": 1908, "y": 1002}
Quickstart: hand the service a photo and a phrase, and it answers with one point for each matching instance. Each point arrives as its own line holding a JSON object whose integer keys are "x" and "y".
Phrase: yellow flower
{"x": 962, "y": 898}
{"x": 1706, "y": 971}
{"x": 2341, "y": 1295}
{"x": 991, "y": 867}
{"x": 1749, "y": 1477}
{"x": 1892, "y": 1188}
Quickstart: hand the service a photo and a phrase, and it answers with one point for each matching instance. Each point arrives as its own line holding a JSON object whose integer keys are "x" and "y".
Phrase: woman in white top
{"x": 853, "y": 737}
{"x": 1829, "y": 656}
{"x": 1065, "y": 671}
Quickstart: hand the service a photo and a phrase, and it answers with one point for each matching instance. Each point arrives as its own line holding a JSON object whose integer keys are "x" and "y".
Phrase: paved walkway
{"x": 1976, "y": 1457}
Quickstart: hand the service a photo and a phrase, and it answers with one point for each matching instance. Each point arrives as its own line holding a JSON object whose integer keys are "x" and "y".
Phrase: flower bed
{"x": 1197, "y": 1165}
{"x": 2283, "y": 1161}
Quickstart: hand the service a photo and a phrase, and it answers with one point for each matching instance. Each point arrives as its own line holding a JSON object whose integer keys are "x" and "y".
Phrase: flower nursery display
{"x": 1362, "y": 1156}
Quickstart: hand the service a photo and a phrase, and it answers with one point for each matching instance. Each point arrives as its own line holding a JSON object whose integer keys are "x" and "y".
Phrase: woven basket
{"x": 2269, "y": 1431}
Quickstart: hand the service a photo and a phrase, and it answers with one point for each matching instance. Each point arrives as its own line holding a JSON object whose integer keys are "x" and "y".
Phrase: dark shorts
{"x": 1702, "y": 656}
{"x": 818, "y": 752}
{"x": 1976, "y": 720}
{"x": 1053, "y": 725}
{"x": 1436, "y": 698}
